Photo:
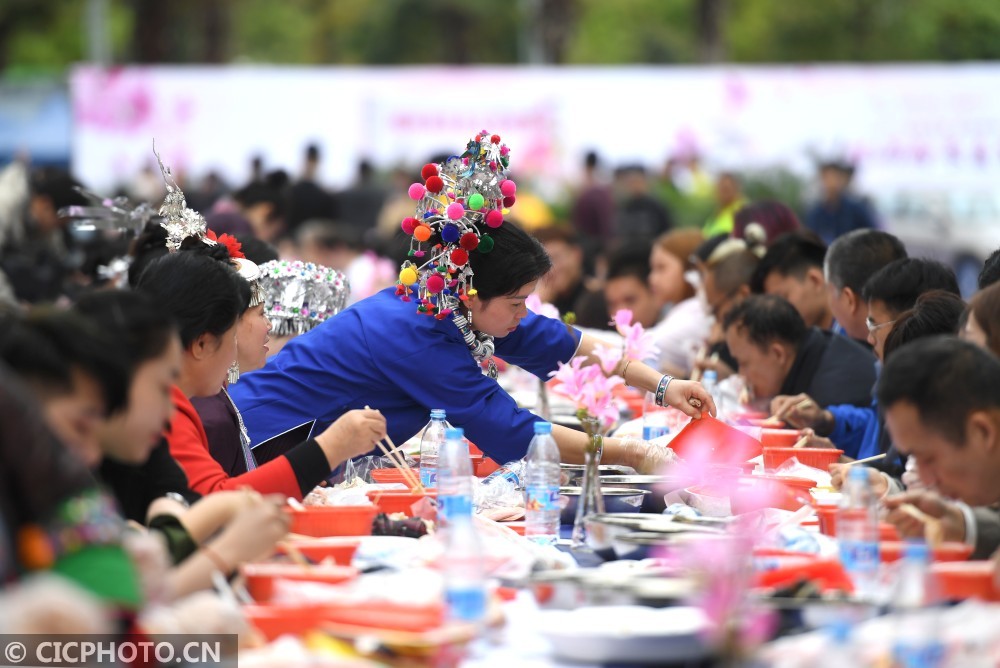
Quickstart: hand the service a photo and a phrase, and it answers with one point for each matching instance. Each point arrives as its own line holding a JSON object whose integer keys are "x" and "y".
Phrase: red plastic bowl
{"x": 959, "y": 580}
{"x": 322, "y": 521}
{"x": 260, "y": 578}
{"x": 340, "y": 549}
{"x": 893, "y": 551}
{"x": 298, "y": 618}
{"x": 819, "y": 458}
{"x": 398, "y": 501}
{"x": 274, "y": 621}
{"x": 778, "y": 438}
{"x": 828, "y": 524}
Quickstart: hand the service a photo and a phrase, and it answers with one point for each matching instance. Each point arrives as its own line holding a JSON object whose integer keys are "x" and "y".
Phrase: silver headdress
{"x": 180, "y": 222}
{"x": 300, "y": 295}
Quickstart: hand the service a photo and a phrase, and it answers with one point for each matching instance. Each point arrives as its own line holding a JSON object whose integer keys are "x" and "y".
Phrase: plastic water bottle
{"x": 430, "y": 445}
{"x": 654, "y": 419}
{"x": 541, "y": 490}
{"x": 454, "y": 479}
{"x": 857, "y": 532}
{"x": 710, "y": 381}
{"x": 464, "y": 580}
{"x": 915, "y": 641}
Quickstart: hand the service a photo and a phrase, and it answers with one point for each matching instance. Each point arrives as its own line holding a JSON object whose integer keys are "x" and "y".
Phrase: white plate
{"x": 625, "y": 634}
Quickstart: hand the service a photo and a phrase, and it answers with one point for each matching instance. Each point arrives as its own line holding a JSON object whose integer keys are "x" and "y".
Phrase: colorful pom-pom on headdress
{"x": 459, "y": 201}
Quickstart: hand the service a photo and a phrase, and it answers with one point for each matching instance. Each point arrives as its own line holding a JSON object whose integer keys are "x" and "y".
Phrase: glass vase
{"x": 591, "y": 500}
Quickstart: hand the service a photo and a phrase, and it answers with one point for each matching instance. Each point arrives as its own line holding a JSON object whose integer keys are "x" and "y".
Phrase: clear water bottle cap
{"x": 438, "y": 414}
{"x": 455, "y": 433}
{"x": 543, "y": 428}
{"x": 710, "y": 374}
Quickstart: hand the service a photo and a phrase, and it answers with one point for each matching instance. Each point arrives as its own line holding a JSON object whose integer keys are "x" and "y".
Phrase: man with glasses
{"x": 888, "y": 293}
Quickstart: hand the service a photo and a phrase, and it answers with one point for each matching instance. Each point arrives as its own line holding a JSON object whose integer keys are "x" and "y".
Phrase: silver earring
{"x": 234, "y": 373}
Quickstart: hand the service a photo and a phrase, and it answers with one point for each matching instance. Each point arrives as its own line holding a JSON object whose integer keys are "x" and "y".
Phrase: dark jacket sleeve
{"x": 987, "y": 531}
{"x": 137, "y": 486}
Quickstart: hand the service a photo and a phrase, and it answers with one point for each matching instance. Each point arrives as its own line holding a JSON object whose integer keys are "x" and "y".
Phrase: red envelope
{"x": 715, "y": 441}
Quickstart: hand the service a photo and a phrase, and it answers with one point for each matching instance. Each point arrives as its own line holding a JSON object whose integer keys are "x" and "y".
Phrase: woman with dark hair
{"x": 206, "y": 298}
{"x": 982, "y": 326}
{"x": 686, "y": 325}
{"x": 423, "y": 345}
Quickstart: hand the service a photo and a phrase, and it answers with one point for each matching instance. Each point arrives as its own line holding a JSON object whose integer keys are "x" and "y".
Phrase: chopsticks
{"x": 867, "y": 459}
{"x": 399, "y": 461}
{"x": 775, "y": 420}
{"x": 933, "y": 532}
{"x": 801, "y": 443}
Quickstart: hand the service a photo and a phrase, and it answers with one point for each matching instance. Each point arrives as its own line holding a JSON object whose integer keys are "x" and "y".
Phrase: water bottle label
{"x": 929, "y": 654}
{"x": 428, "y": 477}
{"x": 649, "y": 432}
{"x": 450, "y": 507}
{"x": 466, "y": 604}
{"x": 542, "y": 498}
{"x": 859, "y": 555}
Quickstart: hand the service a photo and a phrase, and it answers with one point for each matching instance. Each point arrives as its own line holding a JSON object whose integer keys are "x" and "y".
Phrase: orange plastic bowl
{"x": 398, "y": 501}
{"x": 386, "y": 476}
{"x": 959, "y": 580}
{"x": 274, "y": 621}
{"x": 483, "y": 467}
{"x": 778, "y": 438}
{"x": 819, "y": 458}
{"x": 260, "y": 578}
{"x": 893, "y": 551}
{"x": 340, "y": 549}
{"x": 322, "y": 521}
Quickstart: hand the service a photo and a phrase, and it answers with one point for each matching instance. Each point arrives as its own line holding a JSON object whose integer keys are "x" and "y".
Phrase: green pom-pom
{"x": 505, "y": 161}
{"x": 485, "y": 244}
{"x": 476, "y": 202}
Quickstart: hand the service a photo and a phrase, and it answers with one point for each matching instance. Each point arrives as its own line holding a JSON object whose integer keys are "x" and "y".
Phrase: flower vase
{"x": 544, "y": 410}
{"x": 591, "y": 500}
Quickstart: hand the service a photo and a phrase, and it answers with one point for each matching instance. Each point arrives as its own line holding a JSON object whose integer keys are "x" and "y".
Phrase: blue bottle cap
{"x": 454, "y": 433}
{"x": 858, "y": 474}
{"x": 543, "y": 428}
{"x": 437, "y": 414}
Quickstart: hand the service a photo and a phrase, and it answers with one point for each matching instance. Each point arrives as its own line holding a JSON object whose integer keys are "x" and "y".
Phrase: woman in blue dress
{"x": 422, "y": 345}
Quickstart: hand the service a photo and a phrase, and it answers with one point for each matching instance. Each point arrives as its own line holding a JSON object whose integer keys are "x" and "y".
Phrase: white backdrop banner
{"x": 909, "y": 127}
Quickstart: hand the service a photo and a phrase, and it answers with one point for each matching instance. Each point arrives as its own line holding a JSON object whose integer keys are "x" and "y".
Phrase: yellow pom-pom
{"x": 505, "y": 211}
{"x": 472, "y": 292}
{"x": 407, "y": 276}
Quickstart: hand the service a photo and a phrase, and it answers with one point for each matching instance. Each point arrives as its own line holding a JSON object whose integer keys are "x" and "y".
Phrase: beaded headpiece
{"x": 181, "y": 223}
{"x": 300, "y": 295}
{"x": 460, "y": 200}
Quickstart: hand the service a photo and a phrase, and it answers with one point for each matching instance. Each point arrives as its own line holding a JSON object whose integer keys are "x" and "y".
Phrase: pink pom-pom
{"x": 408, "y": 225}
{"x": 435, "y": 284}
{"x": 455, "y": 211}
{"x": 494, "y": 218}
{"x": 416, "y": 191}
{"x": 504, "y": 150}
{"x": 508, "y": 188}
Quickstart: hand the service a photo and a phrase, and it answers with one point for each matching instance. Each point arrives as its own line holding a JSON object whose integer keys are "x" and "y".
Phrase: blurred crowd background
{"x": 300, "y": 124}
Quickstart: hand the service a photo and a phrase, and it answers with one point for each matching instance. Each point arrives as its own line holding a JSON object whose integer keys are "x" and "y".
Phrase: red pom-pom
{"x": 429, "y": 170}
{"x": 434, "y": 183}
{"x": 494, "y": 218}
{"x": 435, "y": 283}
{"x": 469, "y": 241}
{"x": 509, "y": 201}
{"x": 495, "y": 139}
{"x": 459, "y": 257}
{"x": 409, "y": 224}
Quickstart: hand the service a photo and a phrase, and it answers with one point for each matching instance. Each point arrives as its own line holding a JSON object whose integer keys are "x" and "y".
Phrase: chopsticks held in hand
{"x": 933, "y": 531}
{"x": 399, "y": 461}
{"x": 778, "y": 420}
{"x": 868, "y": 459}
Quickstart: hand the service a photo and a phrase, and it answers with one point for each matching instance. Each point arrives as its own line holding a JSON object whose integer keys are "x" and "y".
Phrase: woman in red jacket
{"x": 206, "y": 298}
